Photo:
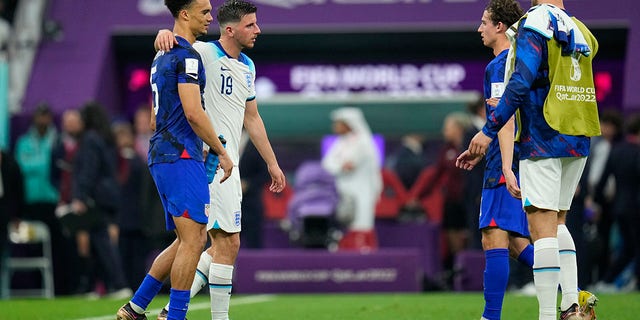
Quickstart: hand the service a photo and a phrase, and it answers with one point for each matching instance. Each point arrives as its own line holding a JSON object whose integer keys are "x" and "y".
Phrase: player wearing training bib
{"x": 552, "y": 87}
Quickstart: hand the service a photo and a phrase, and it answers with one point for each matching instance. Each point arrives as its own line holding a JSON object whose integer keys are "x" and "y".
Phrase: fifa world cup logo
{"x": 576, "y": 72}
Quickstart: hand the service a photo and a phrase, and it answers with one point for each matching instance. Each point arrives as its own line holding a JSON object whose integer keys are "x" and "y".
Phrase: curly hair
{"x": 505, "y": 11}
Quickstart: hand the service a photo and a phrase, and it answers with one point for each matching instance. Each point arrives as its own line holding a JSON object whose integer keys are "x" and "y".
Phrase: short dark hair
{"x": 176, "y": 5}
{"x": 506, "y": 11}
{"x": 613, "y": 117}
{"x": 633, "y": 126}
{"x": 43, "y": 109}
{"x": 234, "y": 10}
{"x": 476, "y": 105}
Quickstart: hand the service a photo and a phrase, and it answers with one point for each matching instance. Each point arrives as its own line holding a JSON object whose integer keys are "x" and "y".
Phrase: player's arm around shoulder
{"x": 165, "y": 39}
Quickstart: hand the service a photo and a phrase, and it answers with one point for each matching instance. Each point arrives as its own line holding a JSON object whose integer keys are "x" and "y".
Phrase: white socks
{"x": 546, "y": 276}
{"x": 568, "y": 268}
{"x": 220, "y": 276}
{"x": 202, "y": 272}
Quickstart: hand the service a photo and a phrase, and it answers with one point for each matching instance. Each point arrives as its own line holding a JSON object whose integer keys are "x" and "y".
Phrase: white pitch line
{"x": 203, "y": 305}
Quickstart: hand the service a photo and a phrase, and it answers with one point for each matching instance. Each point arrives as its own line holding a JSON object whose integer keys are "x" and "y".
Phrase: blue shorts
{"x": 183, "y": 190}
{"x": 499, "y": 209}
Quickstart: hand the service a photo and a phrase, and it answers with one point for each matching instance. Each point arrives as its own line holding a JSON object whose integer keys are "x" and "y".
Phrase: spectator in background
{"x": 11, "y": 197}
{"x": 253, "y": 177}
{"x": 130, "y": 170}
{"x": 95, "y": 199}
{"x": 447, "y": 175}
{"x": 611, "y": 125}
{"x": 354, "y": 161}
{"x": 474, "y": 178}
{"x": 154, "y": 229}
{"x": 5, "y": 37}
{"x": 63, "y": 155}
{"x": 478, "y": 113}
{"x": 33, "y": 153}
{"x": 143, "y": 131}
{"x": 409, "y": 159}
{"x": 624, "y": 165}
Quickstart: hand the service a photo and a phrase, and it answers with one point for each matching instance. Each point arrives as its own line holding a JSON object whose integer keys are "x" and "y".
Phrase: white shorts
{"x": 225, "y": 205}
{"x": 550, "y": 183}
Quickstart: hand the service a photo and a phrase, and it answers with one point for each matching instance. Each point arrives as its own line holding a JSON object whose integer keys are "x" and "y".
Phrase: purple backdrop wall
{"x": 80, "y": 67}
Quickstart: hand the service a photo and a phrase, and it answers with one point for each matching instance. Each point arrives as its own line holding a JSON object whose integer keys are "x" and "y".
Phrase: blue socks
{"x": 496, "y": 277}
{"x": 526, "y": 256}
{"x": 148, "y": 289}
{"x": 178, "y": 304}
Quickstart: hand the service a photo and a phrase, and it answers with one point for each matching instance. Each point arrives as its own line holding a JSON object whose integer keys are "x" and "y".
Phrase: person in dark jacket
{"x": 11, "y": 197}
{"x": 254, "y": 176}
{"x": 96, "y": 196}
{"x": 132, "y": 241}
{"x": 624, "y": 164}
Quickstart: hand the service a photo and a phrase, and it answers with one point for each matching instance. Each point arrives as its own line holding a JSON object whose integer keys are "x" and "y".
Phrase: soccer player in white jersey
{"x": 230, "y": 101}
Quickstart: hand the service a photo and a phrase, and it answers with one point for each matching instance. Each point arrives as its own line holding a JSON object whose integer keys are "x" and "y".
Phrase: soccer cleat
{"x": 163, "y": 314}
{"x": 573, "y": 313}
{"x": 126, "y": 313}
{"x": 587, "y": 302}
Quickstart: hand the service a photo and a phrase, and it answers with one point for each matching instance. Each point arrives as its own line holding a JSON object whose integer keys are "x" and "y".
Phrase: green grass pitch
{"x": 448, "y": 306}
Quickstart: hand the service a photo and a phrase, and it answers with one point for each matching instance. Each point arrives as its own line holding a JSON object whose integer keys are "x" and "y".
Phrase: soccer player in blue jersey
{"x": 176, "y": 160}
{"x": 502, "y": 221}
{"x": 231, "y": 104}
{"x": 552, "y": 86}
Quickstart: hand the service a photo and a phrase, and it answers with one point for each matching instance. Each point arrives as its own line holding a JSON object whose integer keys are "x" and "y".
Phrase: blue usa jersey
{"x": 174, "y": 138}
{"x": 493, "y": 88}
{"x": 527, "y": 90}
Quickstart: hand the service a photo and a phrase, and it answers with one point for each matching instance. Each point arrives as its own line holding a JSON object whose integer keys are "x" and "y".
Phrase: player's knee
{"x": 493, "y": 238}
{"x": 196, "y": 241}
{"x": 226, "y": 241}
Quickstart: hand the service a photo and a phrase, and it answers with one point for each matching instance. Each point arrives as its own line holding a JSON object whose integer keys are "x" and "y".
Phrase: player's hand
{"x": 227, "y": 165}
{"x": 493, "y": 101}
{"x": 512, "y": 184}
{"x": 479, "y": 145}
{"x": 165, "y": 40}
{"x": 466, "y": 161}
{"x": 211, "y": 164}
{"x": 278, "y": 180}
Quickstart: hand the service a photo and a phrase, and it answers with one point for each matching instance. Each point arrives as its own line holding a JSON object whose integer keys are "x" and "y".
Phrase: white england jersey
{"x": 230, "y": 84}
